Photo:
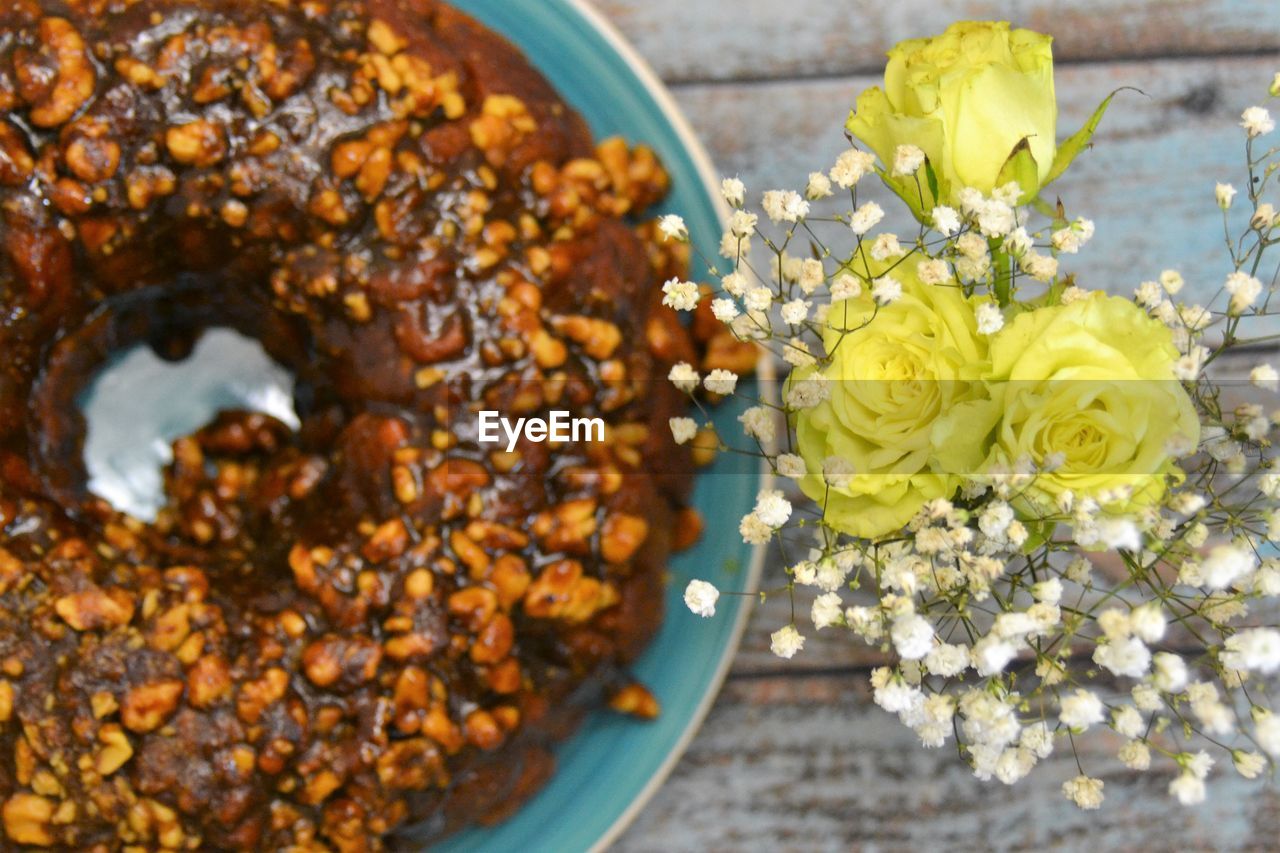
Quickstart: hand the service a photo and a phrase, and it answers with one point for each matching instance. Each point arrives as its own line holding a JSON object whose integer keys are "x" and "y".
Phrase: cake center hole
{"x": 139, "y": 404}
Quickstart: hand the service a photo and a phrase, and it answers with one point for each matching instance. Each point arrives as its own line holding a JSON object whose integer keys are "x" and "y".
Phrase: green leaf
{"x": 1071, "y": 148}
{"x": 1021, "y": 167}
{"x": 931, "y": 177}
{"x": 1047, "y": 210}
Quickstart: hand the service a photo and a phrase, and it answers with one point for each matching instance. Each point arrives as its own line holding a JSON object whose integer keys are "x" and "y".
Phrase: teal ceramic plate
{"x": 613, "y": 765}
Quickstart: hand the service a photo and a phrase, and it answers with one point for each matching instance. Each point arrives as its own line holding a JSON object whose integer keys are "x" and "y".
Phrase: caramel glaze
{"x": 375, "y": 624}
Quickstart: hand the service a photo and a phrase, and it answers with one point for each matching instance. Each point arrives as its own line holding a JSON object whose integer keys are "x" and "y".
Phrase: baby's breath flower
{"x": 724, "y": 310}
{"x": 846, "y": 287}
{"x": 907, "y": 160}
{"x": 758, "y": 422}
{"x": 1264, "y": 217}
{"x": 1171, "y": 281}
{"x": 811, "y": 276}
{"x": 784, "y": 206}
{"x": 886, "y": 290}
{"x": 683, "y": 429}
{"x": 1069, "y": 240}
{"x": 1266, "y": 731}
{"x": 1048, "y": 591}
{"x": 837, "y": 471}
{"x": 852, "y": 166}
{"x": 946, "y": 220}
{"x": 720, "y": 381}
{"x": 826, "y": 611}
{"x": 1080, "y": 710}
{"x": 933, "y": 271}
{"x": 995, "y": 218}
{"x": 1248, "y": 764}
{"x": 1147, "y": 622}
{"x": 972, "y": 246}
{"x": 947, "y": 660}
{"x": 912, "y": 636}
{"x": 795, "y": 312}
{"x": 819, "y": 186}
{"x": 991, "y": 655}
{"x": 1115, "y": 623}
{"x": 701, "y": 598}
{"x": 886, "y": 246}
{"x": 1017, "y": 242}
{"x": 806, "y": 393}
{"x": 683, "y": 376}
{"x": 1073, "y": 294}
{"x": 1126, "y": 657}
{"x": 971, "y": 201}
{"x": 786, "y": 641}
{"x": 1146, "y": 698}
{"x": 790, "y": 465}
{"x": 734, "y": 284}
{"x": 680, "y": 295}
{"x": 1149, "y": 294}
{"x": 990, "y": 319}
{"x": 1084, "y": 791}
{"x": 759, "y": 299}
{"x": 1007, "y": 193}
{"x": 865, "y": 218}
{"x": 743, "y": 223}
{"x": 753, "y": 530}
{"x": 1187, "y": 368}
{"x": 672, "y": 227}
{"x": 1038, "y": 266}
{"x": 1136, "y": 755}
{"x": 797, "y": 353}
{"x": 772, "y": 508}
{"x": 1224, "y": 193}
{"x": 734, "y": 192}
{"x": 1255, "y": 649}
{"x": 1037, "y": 738}
{"x": 1225, "y": 565}
{"x": 734, "y": 248}
{"x": 1187, "y": 789}
{"x": 1127, "y": 721}
{"x": 1244, "y": 290}
{"x": 1256, "y": 122}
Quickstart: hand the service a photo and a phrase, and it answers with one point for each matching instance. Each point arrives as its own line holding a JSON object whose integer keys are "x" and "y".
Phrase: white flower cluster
{"x": 1015, "y": 629}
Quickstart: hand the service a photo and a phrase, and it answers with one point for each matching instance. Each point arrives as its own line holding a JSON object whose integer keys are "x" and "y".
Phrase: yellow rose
{"x": 1091, "y": 383}
{"x": 892, "y": 372}
{"x": 979, "y": 101}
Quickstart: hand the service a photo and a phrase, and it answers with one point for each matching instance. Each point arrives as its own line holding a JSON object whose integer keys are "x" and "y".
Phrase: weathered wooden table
{"x": 795, "y": 756}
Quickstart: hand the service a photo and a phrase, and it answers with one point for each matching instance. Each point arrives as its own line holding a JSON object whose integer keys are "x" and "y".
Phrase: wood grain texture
{"x": 809, "y": 764}
{"x": 703, "y": 40}
{"x": 1147, "y": 182}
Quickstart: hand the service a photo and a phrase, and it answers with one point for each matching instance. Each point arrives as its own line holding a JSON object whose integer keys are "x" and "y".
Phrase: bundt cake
{"x": 377, "y": 622}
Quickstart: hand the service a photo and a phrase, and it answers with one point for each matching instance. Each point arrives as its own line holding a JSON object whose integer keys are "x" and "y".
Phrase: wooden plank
{"x": 761, "y": 39}
{"x": 809, "y": 764}
{"x": 1147, "y": 183}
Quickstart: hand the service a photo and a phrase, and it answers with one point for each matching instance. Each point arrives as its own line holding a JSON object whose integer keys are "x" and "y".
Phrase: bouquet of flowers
{"x": 1041, "y": 501}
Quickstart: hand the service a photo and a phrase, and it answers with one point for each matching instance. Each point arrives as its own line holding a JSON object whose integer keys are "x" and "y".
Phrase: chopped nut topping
{"x": 198, "y": 143}
{"x": 27, "y": 818}
{"x": 149, "y": 705}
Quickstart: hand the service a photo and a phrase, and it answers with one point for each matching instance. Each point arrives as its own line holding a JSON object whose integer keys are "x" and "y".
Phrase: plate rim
{"x": 705, "y": 168}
